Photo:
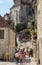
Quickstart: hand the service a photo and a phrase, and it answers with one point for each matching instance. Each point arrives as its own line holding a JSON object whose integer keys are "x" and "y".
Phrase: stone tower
{"x": 22, "y": 10}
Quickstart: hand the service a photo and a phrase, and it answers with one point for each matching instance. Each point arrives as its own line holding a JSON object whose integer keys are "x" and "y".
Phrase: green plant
{"x": 17, "y": 27}
{"x": 32, "y": 20}
{"x": 31, "y": 25}
{"x": 31, "y": 30}
{"x": 20, "y": 26}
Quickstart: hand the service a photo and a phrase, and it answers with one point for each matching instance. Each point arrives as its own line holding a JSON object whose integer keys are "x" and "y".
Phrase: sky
{"x": 5, "y": 6}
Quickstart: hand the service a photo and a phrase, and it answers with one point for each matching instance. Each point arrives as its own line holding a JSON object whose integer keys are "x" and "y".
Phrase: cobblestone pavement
{"x": 13, "y": 63}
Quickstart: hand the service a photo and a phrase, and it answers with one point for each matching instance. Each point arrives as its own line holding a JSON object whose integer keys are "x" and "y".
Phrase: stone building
{"x": 39, "y": 28}
{"x": 6, "y": 16}
{"x": 21, "y": 11}
{"x": 24, "y": 39}
{"x": 7, "y": 39}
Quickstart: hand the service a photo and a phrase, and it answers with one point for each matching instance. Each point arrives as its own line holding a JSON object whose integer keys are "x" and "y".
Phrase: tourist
{"x": 16, "y": 56}
{"x": 28, "y": 52}
{"x": 21, "y": 57}
{"x": 31, "y": 52}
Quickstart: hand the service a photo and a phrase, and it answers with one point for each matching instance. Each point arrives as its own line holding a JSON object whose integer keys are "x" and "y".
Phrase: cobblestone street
{"x": 13, "y": 63}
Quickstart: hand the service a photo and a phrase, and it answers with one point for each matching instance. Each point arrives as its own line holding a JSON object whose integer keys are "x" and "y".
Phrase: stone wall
{"x": 11, "y": 44}
{"x": 24, "y": 13}
{"x": 4, "y": 42}
{"x": 14, "y": 13}
{"x": 24, "y": 44}
{"x": 39, "y": 28}
{"x": 8, "y": 43}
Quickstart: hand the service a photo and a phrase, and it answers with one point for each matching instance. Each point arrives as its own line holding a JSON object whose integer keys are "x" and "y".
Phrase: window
{"x": 1, "y": 34}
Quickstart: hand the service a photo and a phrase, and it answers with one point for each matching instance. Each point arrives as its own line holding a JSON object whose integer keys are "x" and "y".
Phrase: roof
{"x": 6, "y": 14}
{"x": 3, "y": 23}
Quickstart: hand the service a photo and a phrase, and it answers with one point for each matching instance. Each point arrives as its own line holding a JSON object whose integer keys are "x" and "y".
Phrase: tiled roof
{"x": 6, "y": 14}
{"x": 3, "y": 23}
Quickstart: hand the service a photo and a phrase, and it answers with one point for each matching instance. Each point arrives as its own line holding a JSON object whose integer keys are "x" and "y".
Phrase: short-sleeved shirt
{"x": 21, "y": 56}
{"x": 16, "y": 54}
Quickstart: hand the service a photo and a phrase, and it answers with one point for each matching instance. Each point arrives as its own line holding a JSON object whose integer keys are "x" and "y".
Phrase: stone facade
{"x": 11, "y": 44}
{"x": 24, "y": 39}
{"x": 6, "y": 16}
{"x": 39, "y": 28}
{"x": 20, "y": 11}
{"x": 24, "y": 44}
{"x": 14, "y": 14}
{"x": 8, "y": 43}
{"x": 4, "y": 42}
{"x": 7, "y": 39}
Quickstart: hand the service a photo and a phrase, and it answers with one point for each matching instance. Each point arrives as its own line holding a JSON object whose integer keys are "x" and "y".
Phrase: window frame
{"x": 1, "y": 34}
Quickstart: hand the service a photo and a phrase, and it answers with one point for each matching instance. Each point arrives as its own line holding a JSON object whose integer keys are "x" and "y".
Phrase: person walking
{"x": 16, "y": 56}
{"x": 28, "y": 53}
{"x": 31, "y": 52}
{"x": 21, "y": 57}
